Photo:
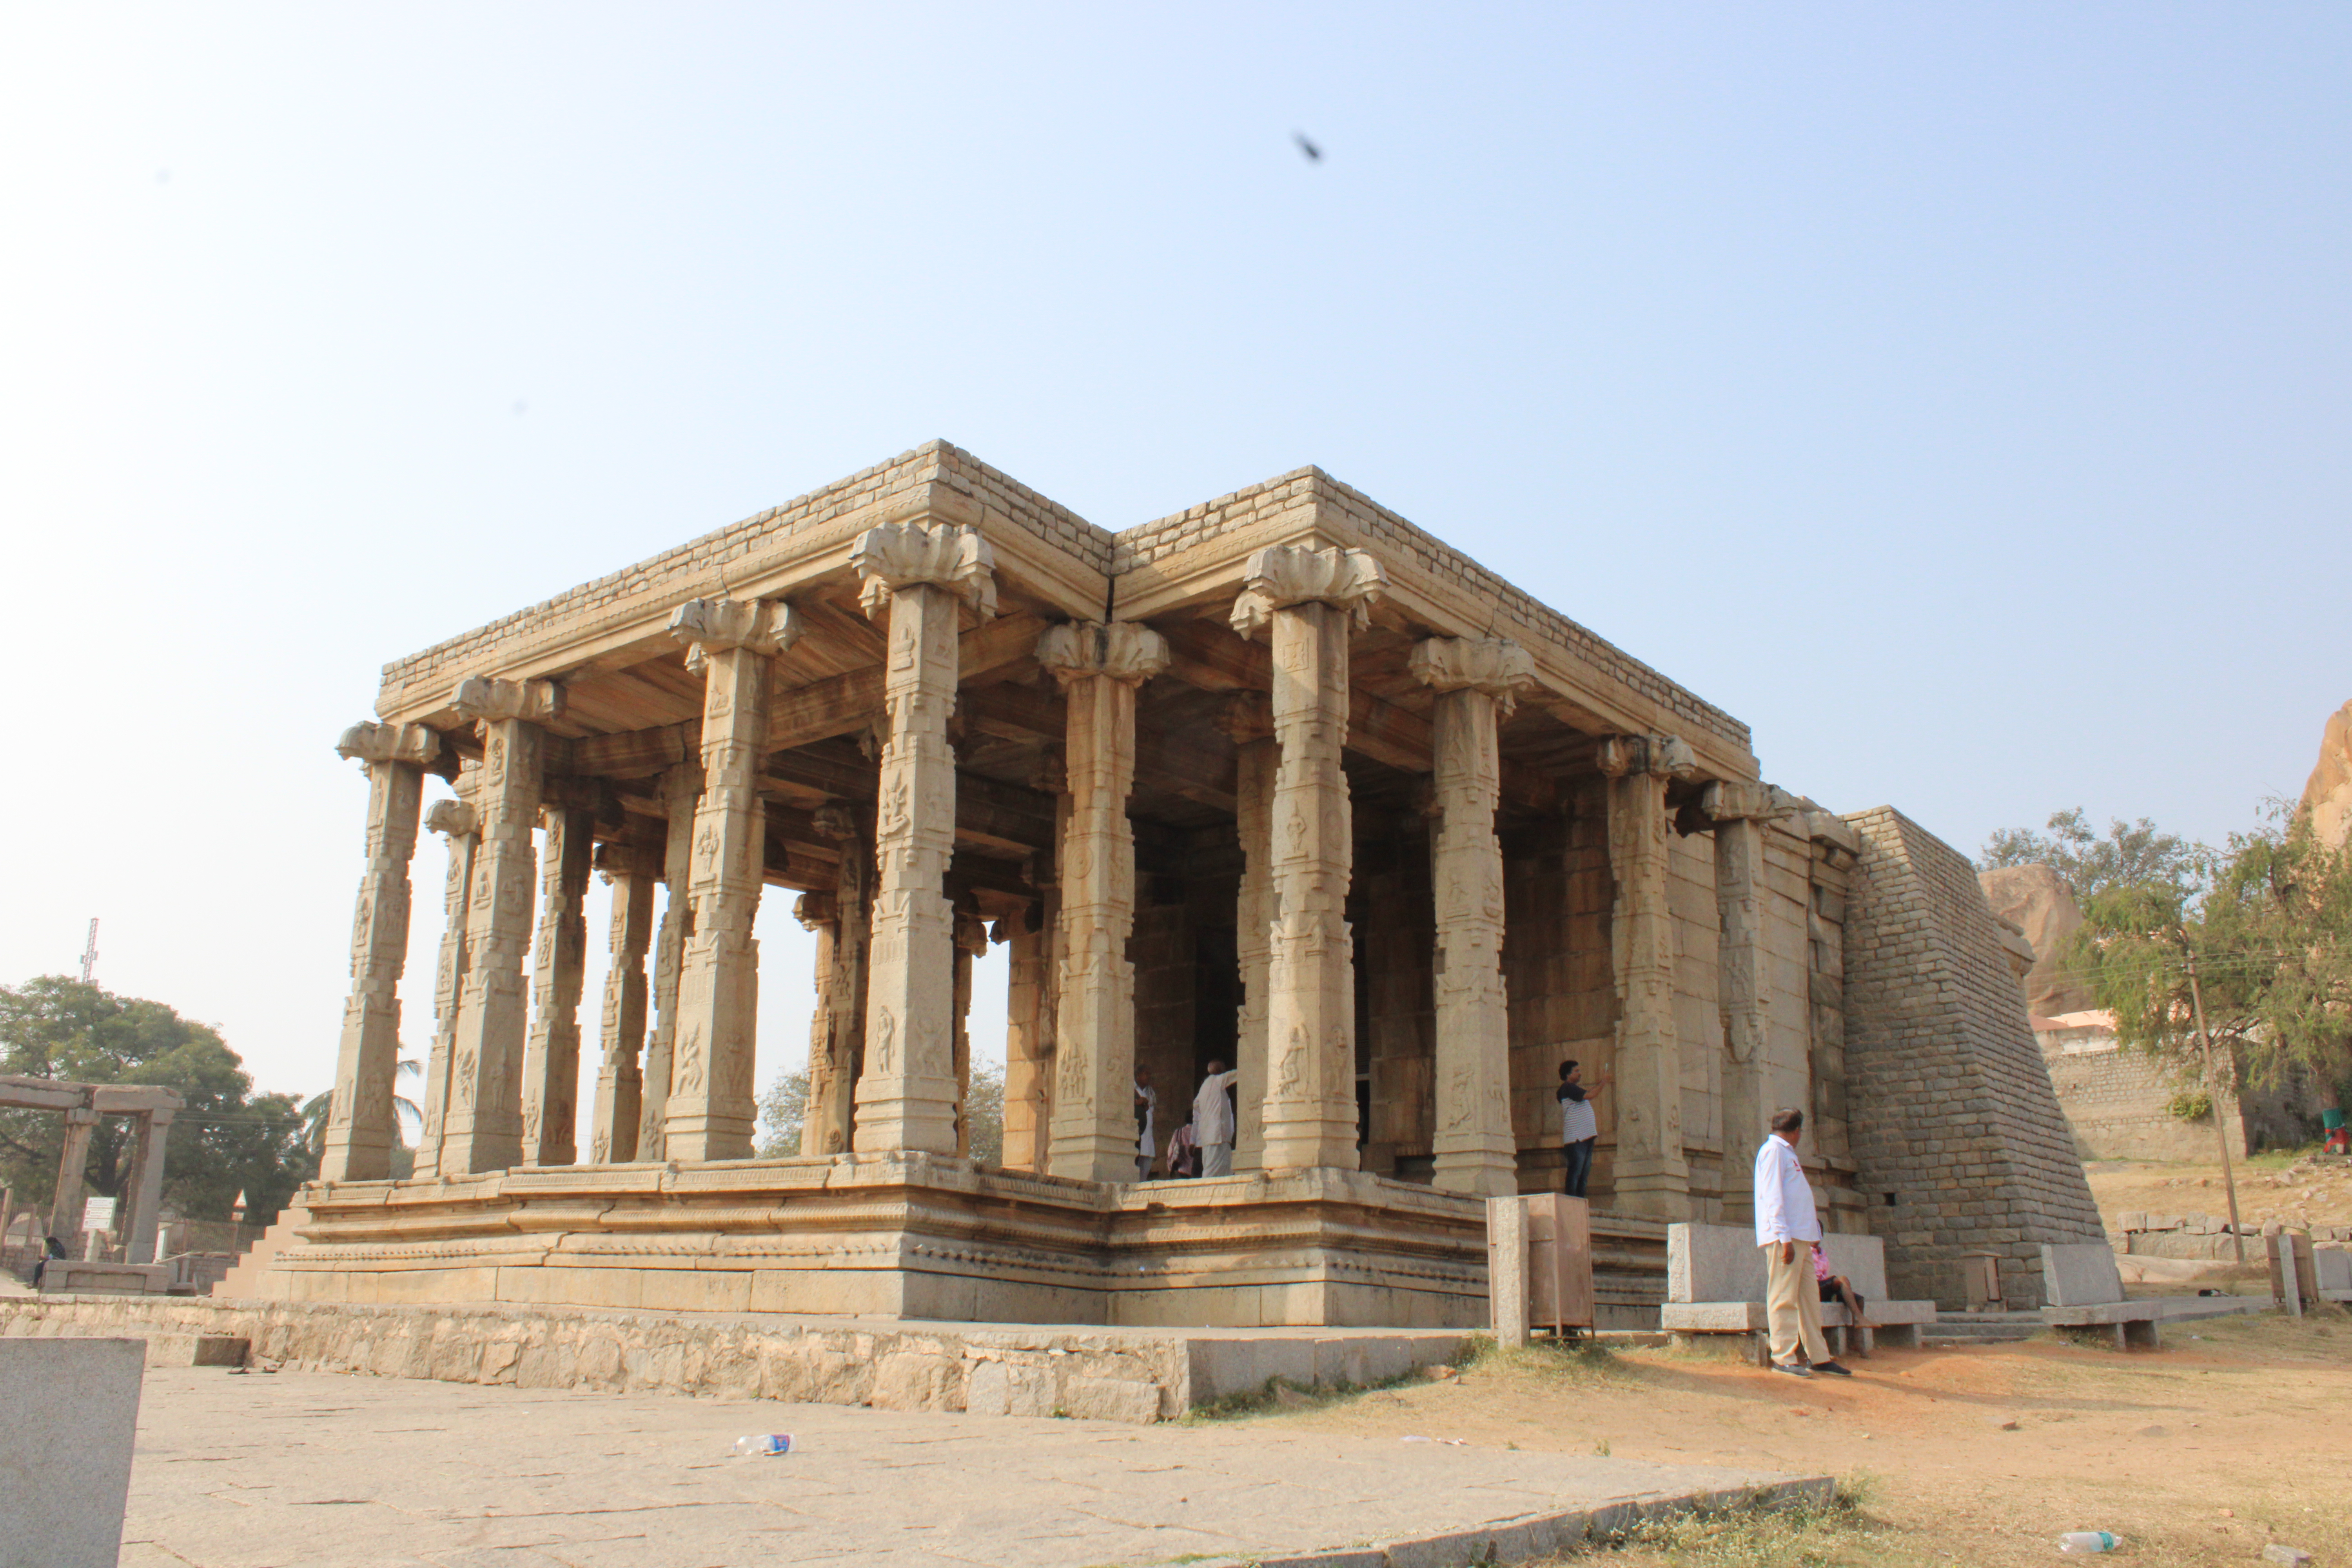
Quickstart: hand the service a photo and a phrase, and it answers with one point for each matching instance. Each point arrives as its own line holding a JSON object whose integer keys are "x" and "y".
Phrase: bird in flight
{"x": 1314, "y": 154}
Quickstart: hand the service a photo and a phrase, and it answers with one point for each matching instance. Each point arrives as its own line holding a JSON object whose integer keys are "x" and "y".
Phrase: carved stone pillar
{"x": 482, "y": 1126}
{"x": 681, "y": 787}
{"x": 921, "y": 574}
{"x": 360, "y": 1129}
{"x": 1248, "y": 719}
{"x": 1025, "y": 1064}
{"x": 456, "y": 821}
{"x": 143, "y": 1194}
{"x": 631, "y": 870}
{"x": 837, "y": 1031}
{"x": 1651, "y": 1176}
{"x": 1478, "y": 681}
{"x": 1099, "y": 666}
{"x": 970, "y": 940}
{"x": 1310, "y": 600}
{"x": 1740, "y": 810}
{"x": 551, "y": 1058}
{"x": 73, "y": 1160}
{"x": 712, "y": 1108}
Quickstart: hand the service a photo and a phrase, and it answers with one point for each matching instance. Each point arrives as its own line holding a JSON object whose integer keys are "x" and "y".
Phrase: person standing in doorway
{"x": 1213, "y": 1121}
{"x": 1147, "y": 1106}
{"x": 1789, "y": 1232}
{"x": 1579, "y": 1130}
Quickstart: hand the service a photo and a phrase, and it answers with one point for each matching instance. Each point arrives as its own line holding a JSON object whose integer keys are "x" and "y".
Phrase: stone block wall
{"x": 1952, "y": 1110}
{"x": 2118, "y": 1105}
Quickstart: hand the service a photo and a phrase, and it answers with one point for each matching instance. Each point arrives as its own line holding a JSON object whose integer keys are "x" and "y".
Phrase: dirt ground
{"x": 2286, "y": 1188}
{"x": 2233, "y": 1436}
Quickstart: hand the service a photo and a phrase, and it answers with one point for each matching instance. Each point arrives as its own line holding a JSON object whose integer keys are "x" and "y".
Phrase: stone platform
{"x": 364, "y": 1473}
{"x": 1002, "y": 1369}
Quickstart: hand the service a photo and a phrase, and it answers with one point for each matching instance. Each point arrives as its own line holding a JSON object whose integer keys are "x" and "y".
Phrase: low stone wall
{"x": 2200, "y": 1236}
{"x": 1106, "y": 1376}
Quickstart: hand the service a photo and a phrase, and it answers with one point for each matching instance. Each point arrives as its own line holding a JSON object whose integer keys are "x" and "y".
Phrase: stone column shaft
{"x": 1651, "y": 1176}
{"x": 1099, "y": 666}
{"x": 712, "y": 1107}
{"x": 550, "y": 1059}
{"x": 1025, "y": 1064}
{"x": 971, "y": 942}
{"x": 920, "y": 572}
{"x": 482, "y": 1126}
{"x": 456, "y": 821}
{"x": 631, "y": 872}
{"x": 1309, "y": 1118}
{"x": 681, "y": 787}
{"x": 1476, "y": 680}
{"x": 73, "y": 1158}
{"x": 837, "y": 1032}
{"x": 143, "y": 1194}
{"x": 1250, "y": 722}
{"x": 360, "y": 1128}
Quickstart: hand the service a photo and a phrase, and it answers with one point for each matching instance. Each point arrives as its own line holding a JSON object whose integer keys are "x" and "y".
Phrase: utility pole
{"x": 2213, "y": 1098}
{"x": 90, "y": 955}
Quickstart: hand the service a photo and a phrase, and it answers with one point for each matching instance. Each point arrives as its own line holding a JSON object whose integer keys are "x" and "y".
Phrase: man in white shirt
{"x": 1213, "y": 1121}
{"x": 1789, "y": 1231}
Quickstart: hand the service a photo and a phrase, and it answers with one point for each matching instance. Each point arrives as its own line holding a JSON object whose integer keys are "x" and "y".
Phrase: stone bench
{"x": 2085, "y": 1295}
{"x": 1715, "y": 1285}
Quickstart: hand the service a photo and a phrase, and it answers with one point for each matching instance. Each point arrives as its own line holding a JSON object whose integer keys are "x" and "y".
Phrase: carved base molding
{"x": 904, "y": 1236}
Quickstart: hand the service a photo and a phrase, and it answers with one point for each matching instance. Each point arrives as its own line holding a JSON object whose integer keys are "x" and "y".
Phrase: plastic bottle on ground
{"x": 2086, "y": 1540}
{"x": 765, "y": 1443}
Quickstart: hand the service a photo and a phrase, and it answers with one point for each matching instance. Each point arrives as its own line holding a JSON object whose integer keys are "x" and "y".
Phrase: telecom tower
{"x": 90, "y": 955}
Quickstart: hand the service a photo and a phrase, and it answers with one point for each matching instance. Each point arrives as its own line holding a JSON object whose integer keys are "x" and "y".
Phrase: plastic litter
{"x": 1452, "y": 1442}
{"x": 765, "y": 1443}
{"x": 2087, "y": 1541}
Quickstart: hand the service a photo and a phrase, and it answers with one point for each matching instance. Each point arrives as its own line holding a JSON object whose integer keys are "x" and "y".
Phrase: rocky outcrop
{"x": 2328, "y": 796}
{"x": 2037, "y": 900}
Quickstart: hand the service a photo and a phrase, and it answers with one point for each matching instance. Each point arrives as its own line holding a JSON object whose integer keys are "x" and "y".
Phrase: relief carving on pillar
{"x": 897, "y": 556}
{"x": 389, "y": 744}
{"x": 484, "y": 698}
{"x": 1121, "y": 650}
{"x": 1496, "y": 666}
{"x": 1281, "y": 576}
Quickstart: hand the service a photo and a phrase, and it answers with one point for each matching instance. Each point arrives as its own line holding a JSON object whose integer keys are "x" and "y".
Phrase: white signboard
{"x": 97, "y": 1214}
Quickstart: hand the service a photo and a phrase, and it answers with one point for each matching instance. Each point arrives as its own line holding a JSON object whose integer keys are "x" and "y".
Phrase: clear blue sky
{"x": 1957, "y": 393}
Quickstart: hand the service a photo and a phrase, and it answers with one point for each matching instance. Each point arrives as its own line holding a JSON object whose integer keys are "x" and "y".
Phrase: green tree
{"x": 2268, "y": 922}
{"x": 227, "y": 1139}
{"x": 784, "y": 1108}
{"x": 2128, "y": 854}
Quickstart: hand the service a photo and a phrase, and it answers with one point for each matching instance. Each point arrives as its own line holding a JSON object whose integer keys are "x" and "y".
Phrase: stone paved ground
{"x": 242, "y": 1470}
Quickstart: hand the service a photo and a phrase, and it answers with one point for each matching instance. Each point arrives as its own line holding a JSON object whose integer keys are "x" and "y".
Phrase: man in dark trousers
{"x": 1579, "y": 1128}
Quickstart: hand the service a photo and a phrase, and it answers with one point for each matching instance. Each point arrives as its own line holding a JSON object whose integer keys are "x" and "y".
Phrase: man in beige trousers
{"x": 1789, "y": 1230}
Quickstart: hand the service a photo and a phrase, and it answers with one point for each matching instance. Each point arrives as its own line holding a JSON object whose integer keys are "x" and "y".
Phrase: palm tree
{"x": 320, "y": 1107}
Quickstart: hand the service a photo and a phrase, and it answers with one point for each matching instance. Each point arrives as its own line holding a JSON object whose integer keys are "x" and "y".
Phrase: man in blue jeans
{"x": 1579, "y": 1129}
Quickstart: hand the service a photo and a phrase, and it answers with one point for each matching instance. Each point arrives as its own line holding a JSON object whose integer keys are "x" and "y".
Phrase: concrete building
{"x": 1280, "y": 780}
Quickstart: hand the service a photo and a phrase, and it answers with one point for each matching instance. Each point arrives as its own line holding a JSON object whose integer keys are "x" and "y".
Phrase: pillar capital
{"x": 412, "y": 743}
{"x": 1121, "y": 650}
{"x": 896, "y": 555}
{"x": 1283, "y": 575}
{"x": 836, "y": 823}
{"x": 815, "y": 909}
{"x": 454, "y": 818}
{"x": 970, "y": 932}
{"x": 1667, "y": 756}
{"x": 1746, "y": 800}
{"x": 709, "y": 626}
{"x": 485, "y": 699}
{"x": 1494, "y": 665}
{"x": 636, "y": 860}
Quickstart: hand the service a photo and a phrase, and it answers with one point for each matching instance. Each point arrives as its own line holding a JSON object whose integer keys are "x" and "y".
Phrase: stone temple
{"x": 1281, "y": 780}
